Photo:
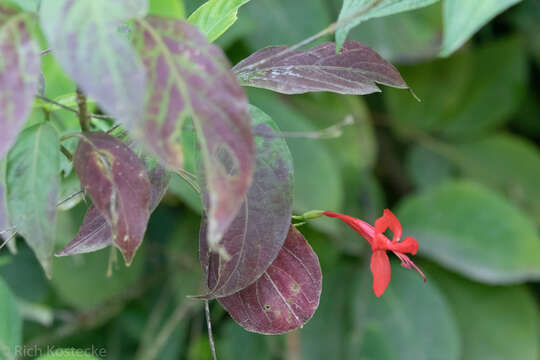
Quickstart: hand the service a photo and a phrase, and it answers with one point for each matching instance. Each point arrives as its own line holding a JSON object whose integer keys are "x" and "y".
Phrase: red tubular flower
{"x": 380, "y": 244}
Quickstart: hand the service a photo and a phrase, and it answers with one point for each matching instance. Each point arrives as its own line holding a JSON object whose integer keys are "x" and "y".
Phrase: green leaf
{"x": 239, "y": 344}
{"x": 467, "y": 228}
{"x": 311, "y": 158}
{"x": 33, "y": 183}
{"x": 216, "y": 16}
{"x": 491, "y": 83}
{"x": 427, "y": 168}
{"x": 462, "y": 18}
{"x": 507, "y": 163}
{"x": 352, "y": 9}
{"x": 27, "y": 5}
{"x": 494, "y": 322}
{"x": 170, "y": 8}
{"x": 411, "y": 321}
{"x": 69, "y": 354}
{"x": 11, "y": 324}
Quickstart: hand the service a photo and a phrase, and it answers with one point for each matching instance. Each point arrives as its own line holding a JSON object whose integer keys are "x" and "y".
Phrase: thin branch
{"x": 66, "y": 153}
{"x": 46, "y": 51}
{"x": 330, "y": 132}
{"x": 84, "y": 119}
{"x": 96, "y": 116}
{"x": 209, "y": 326}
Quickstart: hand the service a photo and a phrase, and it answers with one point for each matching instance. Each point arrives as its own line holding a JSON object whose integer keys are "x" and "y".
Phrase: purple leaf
{"x": 117, "y": 182}
{"x": 258, "y": 232}
{"x": 19, "y": 76}
{"x": 84, "y": 39}
{"x": 95, "y": 234}
{"x": 190, "y": 78}
{"x": 286, "y": 296}
{"x": 356, "y": 69}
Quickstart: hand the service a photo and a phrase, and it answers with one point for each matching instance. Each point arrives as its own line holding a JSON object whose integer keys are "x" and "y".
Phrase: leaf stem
{"x": 66, "y": 153}
{"x": 84, "y": 119}
{"x": 51, "y": 101}
{"x": 209, "y": 326}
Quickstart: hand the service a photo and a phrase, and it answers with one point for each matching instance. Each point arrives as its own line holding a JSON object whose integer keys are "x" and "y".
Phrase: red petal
{"x": 380, "y": 268}
{"x": 388, "y": 220}
{"x": 409, "y": 245}
{"x": 363, "y": 228}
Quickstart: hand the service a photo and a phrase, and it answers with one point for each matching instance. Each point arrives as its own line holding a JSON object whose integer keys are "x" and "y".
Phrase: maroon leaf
{"x": 286, "y": 296}
{"x": 356, "y": 69}
{"x": 189, "y": 77}
{"x": 117, "y": 182}
{"x": 258, "y": 232}
{"x": 95, "y": 233}
{"x": 84, "y": 38}
{"x": 19, "y": 76}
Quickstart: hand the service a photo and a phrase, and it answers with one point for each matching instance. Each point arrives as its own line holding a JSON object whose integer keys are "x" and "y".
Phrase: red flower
{"x": 380, "y": 264}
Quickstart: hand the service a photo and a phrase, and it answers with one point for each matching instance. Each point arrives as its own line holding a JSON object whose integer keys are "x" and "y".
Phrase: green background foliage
{"x": 461, "y": 170}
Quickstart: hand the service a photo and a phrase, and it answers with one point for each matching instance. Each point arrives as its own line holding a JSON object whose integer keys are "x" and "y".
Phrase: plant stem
{"x": 66, "y": 153}
{"x": 84, "y": 119}
{"x": 51, "y": 101}
{"x": 209, "y": 326}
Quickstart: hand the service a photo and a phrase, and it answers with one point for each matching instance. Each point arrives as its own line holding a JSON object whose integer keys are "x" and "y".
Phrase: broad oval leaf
{"x": 84, "y": 38}
{"x": 214, "y": 17}
{"x": 258, "y": 232}
{"x": 11, "y": 329}
{"x": 356, "y": 69}
{"x": 462, "y": 18}
{"x": 96, "y": 234}
{"x": 467, "y": 228}
{"x": 189, "y": 77}
{"x": 19, "y": 75}
{"x": 33, "y": 181}
{"x": 286, "y": 296}
{"x": 118, "y": 185}
{"x": 382, "y": 326}
{"x": 359, "y": 11}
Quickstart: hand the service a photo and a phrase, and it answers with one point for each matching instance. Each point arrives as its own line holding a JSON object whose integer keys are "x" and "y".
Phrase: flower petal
{"x": 380, "y": 268}
{"x": 409, "y": 245}
{"x": 363, "y": 228}
{"x": 388, "y": 220}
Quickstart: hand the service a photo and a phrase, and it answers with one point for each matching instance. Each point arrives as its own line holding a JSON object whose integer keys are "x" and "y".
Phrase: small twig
{"x": 46, "y": 51}
{"x": 77, "y": 193}
{"x": 51, "y": 101}
{"x": 83, "y": 111}
{"x": 330, "y": 132}
{"x": 66, "y": 153}
{"x": 209, "y": 326}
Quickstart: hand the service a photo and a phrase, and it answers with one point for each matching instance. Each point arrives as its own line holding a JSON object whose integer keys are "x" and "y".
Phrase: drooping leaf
{"x": 478, "y": 309}
{"x": 382, "y": 327}
{"x": 11, "y": 325}
{"x": 189, "y": 77}
{"x": 462, "y": 18}
{"x": 84, "y": 38}
{"x": 33, "y": 167}
{"x": 489, "y": 89}
{"x": 258, "y": 232}
{"x": 96, "y": 234}
{"x": 469, "y": 229}
{"x": 286, "y": 296}
{"x": 362, "y": 10}
{"x": 214, "y": 17}
{"x": 356, "y": 69}
{"x": 19, "y": 75}
{"x": 117, "y": 182}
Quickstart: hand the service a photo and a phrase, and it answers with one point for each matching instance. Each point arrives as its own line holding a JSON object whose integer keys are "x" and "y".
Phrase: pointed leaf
{"x": 214, "y": 17}
{"x": 84, "y": 38}
{"x": 33, "y": 181}
{"x": 258, "y": 232}
{"x": 19, "y": 75}
{"x": 356, "y": 69}
{"x": 384, "y": 8}
{"x": 462, "y": 18}
{"x": 286, "y": 296}
{"x": 117, "y": 182}
{"x": 189, "y": 77}
{"x": 95, "y": 233}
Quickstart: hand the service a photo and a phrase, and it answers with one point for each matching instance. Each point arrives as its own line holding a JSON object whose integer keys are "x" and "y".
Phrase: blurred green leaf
{"x": 216, "y": 16}
{"x": 11, "y": 324}
{"x": 369, "y": 9}
{"x": 427, "y": 168}
{"x": 170, "y": 8}
{"x": 467, "y": 228}
{"x": 495, "y": 322}
{"x": 27, "y": 5}
{"x": 318, "y": 182}
{"x": 462, "y": 18}
{"x": 68, "y": 354}
{"x": 525, "y": 18}
{"x": 508, "y": 163}
{"x": 465, "y": 95}
{"x": 411, "y": 320}
{"x": 239, "y": 344}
